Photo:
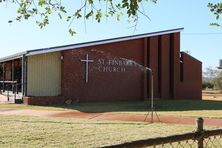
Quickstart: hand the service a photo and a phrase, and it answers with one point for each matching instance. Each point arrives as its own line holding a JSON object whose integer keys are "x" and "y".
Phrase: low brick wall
{"x": 45, "y": 101}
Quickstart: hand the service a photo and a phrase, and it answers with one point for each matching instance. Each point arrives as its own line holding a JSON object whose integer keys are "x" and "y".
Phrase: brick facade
{"x": 117, "y": 72}
{"x": 109, "y": 78}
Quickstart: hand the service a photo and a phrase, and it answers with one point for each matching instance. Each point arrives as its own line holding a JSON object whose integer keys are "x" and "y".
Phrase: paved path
{"x": 111, "y": 116}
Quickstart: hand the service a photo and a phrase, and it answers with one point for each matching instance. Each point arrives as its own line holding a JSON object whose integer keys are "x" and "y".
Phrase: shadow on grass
{"x": 144, "y": 106}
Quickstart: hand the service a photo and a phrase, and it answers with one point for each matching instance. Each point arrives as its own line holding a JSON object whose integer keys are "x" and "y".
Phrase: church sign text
{"x": 113, "y": 65}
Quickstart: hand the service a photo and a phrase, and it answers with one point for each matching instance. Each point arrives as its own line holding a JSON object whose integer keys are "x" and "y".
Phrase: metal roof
{"x": 12, "y": 57}
{"x": 86, "y": 44}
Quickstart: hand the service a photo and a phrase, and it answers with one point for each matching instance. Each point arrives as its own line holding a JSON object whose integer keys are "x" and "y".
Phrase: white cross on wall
{"x": 87, "y": 61}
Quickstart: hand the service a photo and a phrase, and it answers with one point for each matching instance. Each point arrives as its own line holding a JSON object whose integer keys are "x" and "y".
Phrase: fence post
{"x": 199, "y": 125}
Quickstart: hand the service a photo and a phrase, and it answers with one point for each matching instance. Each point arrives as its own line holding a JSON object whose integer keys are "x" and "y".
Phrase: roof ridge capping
{"x": 86, "y": 44}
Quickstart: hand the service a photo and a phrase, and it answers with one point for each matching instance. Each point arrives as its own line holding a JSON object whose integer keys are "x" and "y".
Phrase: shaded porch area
{"x": 11, "y": 81}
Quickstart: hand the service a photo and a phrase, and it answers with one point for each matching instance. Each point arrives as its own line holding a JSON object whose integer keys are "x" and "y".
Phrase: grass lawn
{"x": 23, "y": 131}
{"x": 191, "y": 108}
{"x": 27, "y": 131}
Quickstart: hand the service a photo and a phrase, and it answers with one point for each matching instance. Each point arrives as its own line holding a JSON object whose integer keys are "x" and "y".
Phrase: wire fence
{"x": 198, "y": 139}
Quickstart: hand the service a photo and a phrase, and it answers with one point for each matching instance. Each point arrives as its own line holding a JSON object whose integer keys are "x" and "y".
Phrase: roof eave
{"x": 74, "y": 46}
{"x": 13, "y": 57}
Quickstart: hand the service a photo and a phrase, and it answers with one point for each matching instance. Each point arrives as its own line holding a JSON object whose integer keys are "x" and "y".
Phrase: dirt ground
{"x": 112, "y": 116}
{"x": 207, "y": 95}
{"x": 211, "y": 95}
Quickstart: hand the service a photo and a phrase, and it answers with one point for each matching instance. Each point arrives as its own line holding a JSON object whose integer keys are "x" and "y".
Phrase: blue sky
{"x": 194, "y": 16}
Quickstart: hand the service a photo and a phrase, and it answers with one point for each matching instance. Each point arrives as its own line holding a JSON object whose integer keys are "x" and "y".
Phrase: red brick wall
{"x": 153, "y": 63}
{"x": 190, "y": 87}
{"x": 104, "y": 86}
{"x": 175, "y": 55}
{"x": 145, "y": 74}
{"x": 165, "y": 67}
{"x": 44, "y": 100}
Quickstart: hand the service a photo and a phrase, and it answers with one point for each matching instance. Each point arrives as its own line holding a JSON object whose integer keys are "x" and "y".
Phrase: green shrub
{"x": 207, "y": 84}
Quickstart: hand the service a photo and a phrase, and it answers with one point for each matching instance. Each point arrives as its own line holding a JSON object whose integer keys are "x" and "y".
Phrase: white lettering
{"x": 101, "y": 61}
{"x": 113, "y": 65}
{"x": 114, "y": 69}
{"x": 100, "y": 69}
{"x": 123, "y": 69}
{"x": 110, "y": 62}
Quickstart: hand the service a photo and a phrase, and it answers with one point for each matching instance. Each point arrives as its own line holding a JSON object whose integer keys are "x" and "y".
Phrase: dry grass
{"x": 21, "y": 131}
{"x": 213, "y": 95}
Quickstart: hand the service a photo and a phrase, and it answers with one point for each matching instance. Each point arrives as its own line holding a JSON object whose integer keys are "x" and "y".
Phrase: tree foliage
{"x": 207, "y": 85}
{"x": 212, "y": 79}
{"x": 94, "y": 9}
{"x": 218, "y": 81}
{"x": 216, "y": 9}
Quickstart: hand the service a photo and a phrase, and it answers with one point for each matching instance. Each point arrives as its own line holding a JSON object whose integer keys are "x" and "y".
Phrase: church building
{"x": 116, "y": 69}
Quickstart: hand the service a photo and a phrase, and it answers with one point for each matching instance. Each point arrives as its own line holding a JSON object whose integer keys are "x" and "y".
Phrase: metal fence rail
{"x": 12, "y": 90}
{"x": 198, "y": 139}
